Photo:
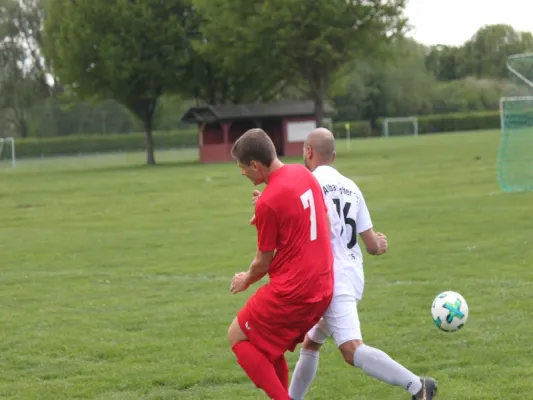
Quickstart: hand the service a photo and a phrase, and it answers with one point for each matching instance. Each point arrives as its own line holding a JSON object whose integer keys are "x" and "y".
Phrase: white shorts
{"x": 341, "y": 320}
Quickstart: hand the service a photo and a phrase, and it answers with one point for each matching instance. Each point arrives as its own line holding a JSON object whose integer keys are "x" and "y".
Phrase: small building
{"x": 286, "y": 122}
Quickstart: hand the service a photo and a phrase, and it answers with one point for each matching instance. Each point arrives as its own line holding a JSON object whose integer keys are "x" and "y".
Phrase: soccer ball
{"x": 449, "y": 311}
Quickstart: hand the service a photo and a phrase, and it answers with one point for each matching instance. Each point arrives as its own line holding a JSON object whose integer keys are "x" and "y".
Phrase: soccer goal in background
{"x": 515, "y": 152}
{"x": 7, "y": 152}
{"x": 400, "y": 126}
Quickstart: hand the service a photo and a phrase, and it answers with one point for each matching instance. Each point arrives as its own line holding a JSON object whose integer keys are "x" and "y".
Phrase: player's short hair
{"x": 254, "y": 145}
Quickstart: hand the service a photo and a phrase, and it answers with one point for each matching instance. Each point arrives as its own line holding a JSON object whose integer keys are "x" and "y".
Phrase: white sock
{"x": 303, "y": 374}
{"x": 378, "y": 364}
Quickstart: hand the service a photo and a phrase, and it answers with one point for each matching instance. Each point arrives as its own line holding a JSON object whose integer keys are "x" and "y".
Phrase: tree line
{"x": 120, "y": 66}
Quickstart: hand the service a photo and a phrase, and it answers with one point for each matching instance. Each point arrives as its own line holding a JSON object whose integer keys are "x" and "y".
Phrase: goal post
{"x": 7, "y": 151}
{"x": 521, "y": 67}
{"x": 515, "y": 151}
{"x": 400, "y": 126}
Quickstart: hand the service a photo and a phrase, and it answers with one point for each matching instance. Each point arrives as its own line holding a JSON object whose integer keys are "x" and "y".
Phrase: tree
{"x": 18, "y": 92}
{"x": 485, "y": 54}
{"x": 444, "y": 62}
{"x": 22, "y": 71}
{"x": 398, "y": 87}
{"x": 131, "y": 50}
{"x": 229, "y": 63}
{"x": 302, "y": 42}
{"x": 313, "y": 40}
{"x": 407, "y": 84}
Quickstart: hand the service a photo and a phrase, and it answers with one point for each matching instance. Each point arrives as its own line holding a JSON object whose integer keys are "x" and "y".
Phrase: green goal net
{"x": 515, "y": 154}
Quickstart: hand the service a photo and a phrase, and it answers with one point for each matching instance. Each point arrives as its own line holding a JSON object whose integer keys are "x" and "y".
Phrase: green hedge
{"x": 459, "y": 122}
{"x": 357, "y": 129}
{"x": 76, "y": 144}
{"x": 428, "y": 124}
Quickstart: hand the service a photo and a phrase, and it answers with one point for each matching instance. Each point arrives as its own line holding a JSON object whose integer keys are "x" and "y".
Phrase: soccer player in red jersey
{"x": 293, "y": 248}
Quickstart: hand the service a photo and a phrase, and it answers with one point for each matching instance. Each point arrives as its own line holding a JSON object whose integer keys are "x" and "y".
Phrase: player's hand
{"x": 382, "y": 243}
{"x": 238, "y": 283}
{"x": 255, "y": 196}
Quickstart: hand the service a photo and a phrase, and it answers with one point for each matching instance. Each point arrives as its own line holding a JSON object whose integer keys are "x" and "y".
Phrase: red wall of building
{"x": 212, "y": 134}
{"x": 214, "y": 146}
{"x": 215, "y": 153}
{"x": 217, "y": 139}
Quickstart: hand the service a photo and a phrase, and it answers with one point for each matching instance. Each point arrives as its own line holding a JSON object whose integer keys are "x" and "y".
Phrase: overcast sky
{"x": 453, "y": 22}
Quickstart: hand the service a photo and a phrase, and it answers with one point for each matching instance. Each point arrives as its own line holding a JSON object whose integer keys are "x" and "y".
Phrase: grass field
{"x": 115, "y": 276}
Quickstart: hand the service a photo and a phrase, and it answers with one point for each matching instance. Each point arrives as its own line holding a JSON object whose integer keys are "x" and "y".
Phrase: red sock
{"x": 282, "y": 371}
{"x": 260, "y": 370}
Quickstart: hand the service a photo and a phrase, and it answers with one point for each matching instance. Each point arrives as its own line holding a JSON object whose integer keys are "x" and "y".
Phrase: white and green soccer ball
{"x": 449, "y": 311}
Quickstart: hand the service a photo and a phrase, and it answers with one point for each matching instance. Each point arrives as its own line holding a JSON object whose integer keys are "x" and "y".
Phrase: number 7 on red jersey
{"x": 308, "y": 201}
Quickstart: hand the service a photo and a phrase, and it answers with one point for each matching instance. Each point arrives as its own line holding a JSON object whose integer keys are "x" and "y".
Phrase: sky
{"x": 453, "y": 22}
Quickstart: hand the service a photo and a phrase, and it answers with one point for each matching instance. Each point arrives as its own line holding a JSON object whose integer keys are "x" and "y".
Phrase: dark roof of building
{"x": 207, "y": 114}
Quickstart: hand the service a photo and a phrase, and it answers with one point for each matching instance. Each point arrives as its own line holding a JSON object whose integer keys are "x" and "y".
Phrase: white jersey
{"x": 349, "y": 216}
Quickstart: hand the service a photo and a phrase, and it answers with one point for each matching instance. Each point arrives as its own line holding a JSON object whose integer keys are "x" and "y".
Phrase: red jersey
{"x": 291, "y": 218}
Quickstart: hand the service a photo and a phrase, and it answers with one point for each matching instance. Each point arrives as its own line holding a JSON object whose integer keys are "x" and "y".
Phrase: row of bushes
{"x": 427, "y": 124}
{"x": 74, "y": 144}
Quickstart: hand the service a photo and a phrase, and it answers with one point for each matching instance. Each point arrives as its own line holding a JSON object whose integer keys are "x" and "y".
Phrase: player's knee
{"x": 235, "y": 334}
{"x": 229, "y": 337}
{"x": 233, "y": 337}
{"x": 348, "y": 350}
{"x": 308, "y": 344}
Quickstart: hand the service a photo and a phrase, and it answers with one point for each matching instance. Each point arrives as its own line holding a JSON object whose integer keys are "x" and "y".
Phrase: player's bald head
{"x": 322, "y": 141}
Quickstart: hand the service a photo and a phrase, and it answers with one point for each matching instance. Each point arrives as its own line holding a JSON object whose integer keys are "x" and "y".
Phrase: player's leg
{"x": 282, "y": 371}
{"x": 379, "y": 365}
{"x": 343, "y": 322}
{"x": 256, "y": 364}
{"x": 307, "y": 365}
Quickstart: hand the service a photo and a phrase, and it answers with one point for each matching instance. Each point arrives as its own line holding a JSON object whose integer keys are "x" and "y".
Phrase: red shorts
{"x": 274, "y": 326}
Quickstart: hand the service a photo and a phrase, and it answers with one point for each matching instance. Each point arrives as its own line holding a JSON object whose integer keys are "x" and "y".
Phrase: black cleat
{"x": 428, "y": 391}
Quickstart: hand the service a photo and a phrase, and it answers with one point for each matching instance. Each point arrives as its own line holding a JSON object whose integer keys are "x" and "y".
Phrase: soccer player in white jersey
{"x": 349, "y": 217}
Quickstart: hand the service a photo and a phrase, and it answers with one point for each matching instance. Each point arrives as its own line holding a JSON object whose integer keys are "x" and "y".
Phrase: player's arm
{"x": 267, "y": 238}
{"x": 259, "y": 266}
{"x": 375, "y": 242}
{"x": 255, "y": 197}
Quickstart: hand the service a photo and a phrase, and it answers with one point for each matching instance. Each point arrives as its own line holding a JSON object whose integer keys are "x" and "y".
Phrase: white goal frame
{"x": 386, "y": 122}
{"x": 514, "y": 71}
{"x": 528, "y": 82}
{"x": 510, "y": 99}
{"x": 11, "y": 142}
